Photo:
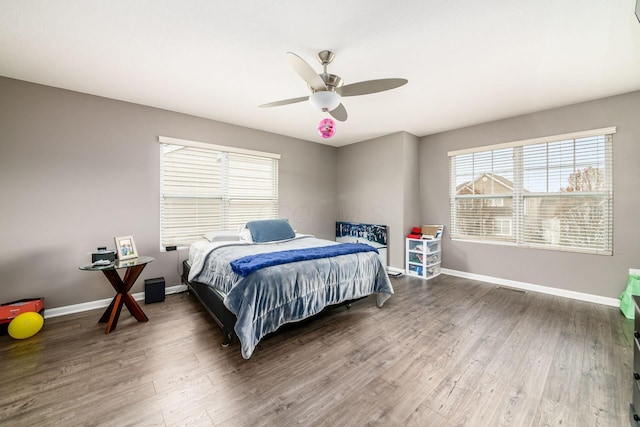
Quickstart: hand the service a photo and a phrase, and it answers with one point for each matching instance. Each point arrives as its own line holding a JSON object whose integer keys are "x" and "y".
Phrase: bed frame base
{"x": 213, "y": 303}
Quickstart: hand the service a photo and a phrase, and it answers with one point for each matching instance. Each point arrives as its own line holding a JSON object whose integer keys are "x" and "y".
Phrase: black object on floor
{"x": 154, "y": 290}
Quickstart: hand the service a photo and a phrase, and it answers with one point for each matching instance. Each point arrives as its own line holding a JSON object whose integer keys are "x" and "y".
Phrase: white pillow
{"x": 222, "y": 236}
{"x": 245, "y": 234}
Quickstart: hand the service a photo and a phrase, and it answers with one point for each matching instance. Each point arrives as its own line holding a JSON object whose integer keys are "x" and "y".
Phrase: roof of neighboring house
{"x": 468, "y": 186}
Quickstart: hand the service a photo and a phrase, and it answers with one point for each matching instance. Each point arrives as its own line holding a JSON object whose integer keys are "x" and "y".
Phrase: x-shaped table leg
{"x": 122, "y": 287}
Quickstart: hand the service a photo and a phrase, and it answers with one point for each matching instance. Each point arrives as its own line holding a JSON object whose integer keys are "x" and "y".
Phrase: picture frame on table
{"x": 126, "y": 247}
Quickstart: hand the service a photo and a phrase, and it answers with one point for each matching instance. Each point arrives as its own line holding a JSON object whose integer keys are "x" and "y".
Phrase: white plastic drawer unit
{"x": 423, "y": 258}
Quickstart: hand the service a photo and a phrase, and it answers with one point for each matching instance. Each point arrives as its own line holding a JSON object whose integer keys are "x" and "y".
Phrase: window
{"x": 503, "y": 226}
{"x": 550, "y": 193}
{"x": 205, "y": 187}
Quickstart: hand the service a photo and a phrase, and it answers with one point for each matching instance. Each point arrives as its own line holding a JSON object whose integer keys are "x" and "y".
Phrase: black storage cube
{"x": 154, "y": 290}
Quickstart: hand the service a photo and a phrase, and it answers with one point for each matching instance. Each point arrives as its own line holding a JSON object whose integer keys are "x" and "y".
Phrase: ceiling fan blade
{"x": 305, "y": 71}
{"x": 284, "y": 102}
{"x": 370, "y": 86}
{"x": 339, "y": 113}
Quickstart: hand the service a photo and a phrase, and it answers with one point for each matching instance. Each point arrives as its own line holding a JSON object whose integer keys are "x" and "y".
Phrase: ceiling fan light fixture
{"x": 327, "y": 90}
{"x": 325, "y": 100}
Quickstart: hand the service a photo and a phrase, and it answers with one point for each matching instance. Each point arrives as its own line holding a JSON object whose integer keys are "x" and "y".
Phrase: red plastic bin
{"x": 11, "y": 309}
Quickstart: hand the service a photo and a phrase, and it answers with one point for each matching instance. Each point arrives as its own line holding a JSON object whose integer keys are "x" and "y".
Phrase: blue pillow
{"x": 270, "y": 230}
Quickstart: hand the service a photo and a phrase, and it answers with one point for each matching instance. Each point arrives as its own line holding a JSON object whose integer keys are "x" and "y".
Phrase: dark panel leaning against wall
{"x": 591, "y": 274}
{"x": 77, "y": 170}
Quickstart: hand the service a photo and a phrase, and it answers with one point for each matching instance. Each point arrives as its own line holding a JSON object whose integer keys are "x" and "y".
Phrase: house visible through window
{"x": 205, "y": 187}
{"x": 551, "y": 193}
{"x": 503, "y": 226}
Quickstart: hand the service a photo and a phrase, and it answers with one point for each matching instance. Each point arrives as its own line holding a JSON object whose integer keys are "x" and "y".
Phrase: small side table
{"x": 134, "y": 268}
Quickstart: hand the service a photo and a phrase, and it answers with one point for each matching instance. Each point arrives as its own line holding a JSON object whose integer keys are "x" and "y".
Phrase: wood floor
{"x": 450, "y": 352}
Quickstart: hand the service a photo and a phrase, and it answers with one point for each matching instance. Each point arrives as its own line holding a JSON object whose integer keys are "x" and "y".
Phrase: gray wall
{"x": 375, "y": 178}
{"x": 77, "y": 170}
{"x": 593, "y": 274}
{"x": 412, "y": 186}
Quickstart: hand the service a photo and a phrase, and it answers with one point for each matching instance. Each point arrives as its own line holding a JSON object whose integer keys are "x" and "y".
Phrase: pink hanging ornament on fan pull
{"x": 327, "y": 128}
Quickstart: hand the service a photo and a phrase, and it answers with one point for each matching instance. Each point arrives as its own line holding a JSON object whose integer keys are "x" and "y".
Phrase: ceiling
{"x": 467, "y": 61}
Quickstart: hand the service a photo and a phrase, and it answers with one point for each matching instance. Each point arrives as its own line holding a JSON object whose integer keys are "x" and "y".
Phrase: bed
{"x": 264, "y": 276}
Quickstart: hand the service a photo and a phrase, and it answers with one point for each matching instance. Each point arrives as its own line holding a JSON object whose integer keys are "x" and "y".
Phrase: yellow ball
{"x": 25, "y": 325}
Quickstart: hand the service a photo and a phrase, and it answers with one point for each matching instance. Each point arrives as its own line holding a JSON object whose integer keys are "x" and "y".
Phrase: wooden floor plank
{"x": 448, "y": 352}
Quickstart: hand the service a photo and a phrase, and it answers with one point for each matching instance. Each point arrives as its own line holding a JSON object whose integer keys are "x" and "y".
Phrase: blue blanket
{"x": 249, "y": 264}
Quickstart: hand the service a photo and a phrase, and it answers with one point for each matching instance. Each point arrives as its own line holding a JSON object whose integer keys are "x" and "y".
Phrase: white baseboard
{"x": 92, "y": 305}
{"x": 613, "y": 302}
{"x": 139, "y": 296}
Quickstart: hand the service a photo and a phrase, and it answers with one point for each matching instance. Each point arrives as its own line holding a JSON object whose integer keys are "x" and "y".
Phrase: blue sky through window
{"x": 546, "y": 167}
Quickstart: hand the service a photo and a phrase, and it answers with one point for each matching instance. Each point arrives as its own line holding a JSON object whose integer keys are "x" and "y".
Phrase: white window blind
{"x": 550, "y": 193}
{"x": 206, "y": 187}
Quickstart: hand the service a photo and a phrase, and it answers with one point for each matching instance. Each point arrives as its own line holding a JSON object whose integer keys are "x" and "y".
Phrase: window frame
{"x": 228, "y": 155}
{"x": 517, "y": 172}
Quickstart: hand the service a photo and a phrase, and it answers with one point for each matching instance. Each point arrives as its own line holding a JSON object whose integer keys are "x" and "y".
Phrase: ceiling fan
{"x": 327, "y": 89}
